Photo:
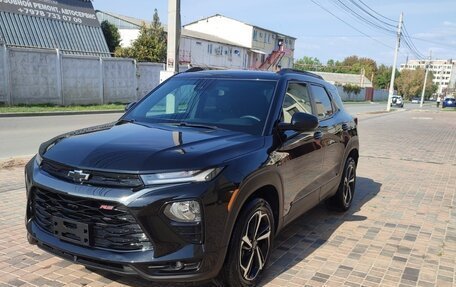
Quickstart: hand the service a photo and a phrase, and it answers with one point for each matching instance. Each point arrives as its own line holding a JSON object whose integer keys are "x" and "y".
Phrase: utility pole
{"x": 174, "y": 26}
{"x": 425, "y": 79}
{"x": 363, "y": 72}
{"x": 393, "y": 74}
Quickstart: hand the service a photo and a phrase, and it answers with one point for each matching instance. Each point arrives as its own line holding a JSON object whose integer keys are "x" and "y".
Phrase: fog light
{"x": 184, "y": 211}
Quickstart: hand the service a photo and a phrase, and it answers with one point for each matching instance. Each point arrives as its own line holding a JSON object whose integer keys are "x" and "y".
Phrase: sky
{"x": 431, "y": 24}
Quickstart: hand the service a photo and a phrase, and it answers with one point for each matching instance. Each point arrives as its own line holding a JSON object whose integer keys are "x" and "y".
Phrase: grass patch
{"x": 54, "y": 108}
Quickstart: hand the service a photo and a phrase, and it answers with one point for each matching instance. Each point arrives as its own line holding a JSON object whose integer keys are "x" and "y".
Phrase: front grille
{"x": 97, "y": 178}
{"x": 109, "y": 228}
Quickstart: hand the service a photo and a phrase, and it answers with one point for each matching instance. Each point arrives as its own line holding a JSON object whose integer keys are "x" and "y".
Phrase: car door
{"x": 301, "y": 155}
{"x": 331, "y": 131}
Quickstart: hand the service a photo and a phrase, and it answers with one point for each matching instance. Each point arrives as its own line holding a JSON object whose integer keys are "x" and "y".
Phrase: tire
{"x": 343, "y": 198}
{"x": 249, "y": 250}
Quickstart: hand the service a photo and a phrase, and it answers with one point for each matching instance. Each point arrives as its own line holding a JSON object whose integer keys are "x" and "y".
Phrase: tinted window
{"x": 236, "y": 104}
{"x": 323, "y": 104}
{"x": 296, "y": 100}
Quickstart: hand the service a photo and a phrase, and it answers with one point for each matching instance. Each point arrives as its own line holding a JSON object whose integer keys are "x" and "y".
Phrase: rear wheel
{"x": 343, "y": 198}
{"x": 250, "y": 245}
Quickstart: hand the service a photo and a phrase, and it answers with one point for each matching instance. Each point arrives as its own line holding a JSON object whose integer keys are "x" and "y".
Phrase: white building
{"x": 196, "y": 49}
{"x": 444, "y": 72}
{"x": 267, "y": 49}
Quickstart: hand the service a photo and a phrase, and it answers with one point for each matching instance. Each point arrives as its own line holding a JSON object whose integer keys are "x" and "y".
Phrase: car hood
{"x": 133, "y": 147}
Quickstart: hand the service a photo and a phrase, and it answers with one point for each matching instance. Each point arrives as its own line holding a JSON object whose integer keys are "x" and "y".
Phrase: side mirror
{"x": 302, "y": 122}
{"x": 129, "y": 106}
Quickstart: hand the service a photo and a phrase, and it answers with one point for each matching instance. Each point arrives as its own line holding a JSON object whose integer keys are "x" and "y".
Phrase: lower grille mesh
{"x": 113, "y": 229}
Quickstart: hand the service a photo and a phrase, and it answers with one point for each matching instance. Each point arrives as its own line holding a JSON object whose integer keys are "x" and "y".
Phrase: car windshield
{"x": 235, "y": 104}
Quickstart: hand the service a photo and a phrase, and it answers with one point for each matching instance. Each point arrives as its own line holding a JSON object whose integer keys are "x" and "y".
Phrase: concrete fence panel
{"x": 34, "y": 76}
{"x": 3, "y": 73}
{"x": 119, "y": 80}
{"x": 81, "y": 80}
{"x": 148, "y": 77}
{"x": 380, "y": 95}
{"x": 352, "y": 96}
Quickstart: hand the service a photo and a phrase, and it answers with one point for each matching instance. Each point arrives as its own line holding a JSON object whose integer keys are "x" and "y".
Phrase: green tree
{"x": 410, "y": 83}
{"x": 111, "y": 34}
{"x": 308, "y": 64}
{"x": 150, "y": 46}
{"x": 383, "y": 77}
{"x": 356, "y": 65}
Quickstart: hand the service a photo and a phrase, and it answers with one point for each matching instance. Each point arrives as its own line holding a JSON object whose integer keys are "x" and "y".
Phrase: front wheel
{"x": 343, "y": 198}
{"x": 250, "y": 245}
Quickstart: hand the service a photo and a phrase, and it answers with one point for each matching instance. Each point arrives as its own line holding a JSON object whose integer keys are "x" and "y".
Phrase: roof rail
{"x": 194, "y": 69}
{"x": 294, "y": 71}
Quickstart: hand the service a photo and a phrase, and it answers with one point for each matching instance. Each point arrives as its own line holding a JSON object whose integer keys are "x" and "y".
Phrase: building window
{"x": 199, "y": 43}
{"x": 209, "y": 48}
{"x": 255, "y": 35}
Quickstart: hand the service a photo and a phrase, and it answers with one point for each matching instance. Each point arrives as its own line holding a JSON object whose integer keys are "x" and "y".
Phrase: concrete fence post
{"x": 135, "y": 70}
{"x": 59, "y": 71}
{"x": 101, "y": 85}
{"x": 7, "y": 70}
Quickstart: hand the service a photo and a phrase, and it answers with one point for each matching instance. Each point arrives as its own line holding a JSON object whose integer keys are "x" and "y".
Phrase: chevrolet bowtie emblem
{"x": 78, "y": 175}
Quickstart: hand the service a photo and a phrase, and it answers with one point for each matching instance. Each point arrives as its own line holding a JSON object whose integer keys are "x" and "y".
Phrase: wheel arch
{"x": 266, "y": 185}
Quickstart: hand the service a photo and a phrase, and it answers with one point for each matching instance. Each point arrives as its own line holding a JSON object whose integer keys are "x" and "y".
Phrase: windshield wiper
{"x": 194, "y": 125}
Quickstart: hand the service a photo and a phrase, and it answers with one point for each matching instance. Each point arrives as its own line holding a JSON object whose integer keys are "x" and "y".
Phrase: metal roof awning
{"x": 258, "y": 51}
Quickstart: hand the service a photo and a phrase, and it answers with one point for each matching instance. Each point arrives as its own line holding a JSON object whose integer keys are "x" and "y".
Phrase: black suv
{"x": 197, "y": 178}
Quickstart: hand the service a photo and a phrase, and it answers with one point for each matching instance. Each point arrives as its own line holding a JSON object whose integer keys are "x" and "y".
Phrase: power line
{"x": 373, "y": 16}
{"x": 350, "y": 25}
{"x": 409, "y": 43}
{"x": 412, "y": 50}
{"x": 359, "y": 17}
{"x": 389, "y": 19}
{"x": 434, "y": 42}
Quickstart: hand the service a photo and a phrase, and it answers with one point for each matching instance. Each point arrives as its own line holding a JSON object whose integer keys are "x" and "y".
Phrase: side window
{"x": 323, "y": 103}
{"x": 296, "y": 100}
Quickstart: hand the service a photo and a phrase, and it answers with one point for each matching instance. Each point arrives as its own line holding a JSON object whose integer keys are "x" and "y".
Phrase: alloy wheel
{"x": 349, "y": 184}
{"x": 255, "y": 245}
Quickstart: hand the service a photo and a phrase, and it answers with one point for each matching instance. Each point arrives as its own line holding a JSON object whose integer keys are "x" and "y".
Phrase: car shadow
{"x": 304, "y": 235}
{"x": 313, "y": 229}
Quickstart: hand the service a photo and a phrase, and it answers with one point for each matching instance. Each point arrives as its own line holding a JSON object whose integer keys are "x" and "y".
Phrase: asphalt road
{"x": 21, "y": 136}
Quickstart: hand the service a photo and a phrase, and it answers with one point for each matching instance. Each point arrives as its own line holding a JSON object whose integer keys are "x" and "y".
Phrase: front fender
{"x": 266, "y": 177}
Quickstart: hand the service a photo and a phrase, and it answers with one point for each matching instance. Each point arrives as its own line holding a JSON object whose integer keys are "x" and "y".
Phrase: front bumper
{"x": 172, "y": 257}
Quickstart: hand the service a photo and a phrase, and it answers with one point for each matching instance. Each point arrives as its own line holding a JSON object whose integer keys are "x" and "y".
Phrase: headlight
{"x": 184, "y": 211}
{"x": 38, "y": 159}
{"x": 180, "y": 176}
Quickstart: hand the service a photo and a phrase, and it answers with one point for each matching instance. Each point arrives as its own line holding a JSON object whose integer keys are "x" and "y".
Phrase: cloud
{"x": 450, "y": 24}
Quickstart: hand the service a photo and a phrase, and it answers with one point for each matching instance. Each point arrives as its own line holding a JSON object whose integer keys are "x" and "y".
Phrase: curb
{"x": 69, "y": 113}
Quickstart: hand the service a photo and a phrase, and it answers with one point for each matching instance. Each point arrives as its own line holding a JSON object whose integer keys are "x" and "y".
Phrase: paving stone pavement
{"x": 400, "y": 231}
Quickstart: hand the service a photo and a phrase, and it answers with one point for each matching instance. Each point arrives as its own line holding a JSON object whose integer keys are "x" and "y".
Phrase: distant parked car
{"x": 449, "y": 103}
{"x": 416, "y": 100}
{"x": 397, "y": 101}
